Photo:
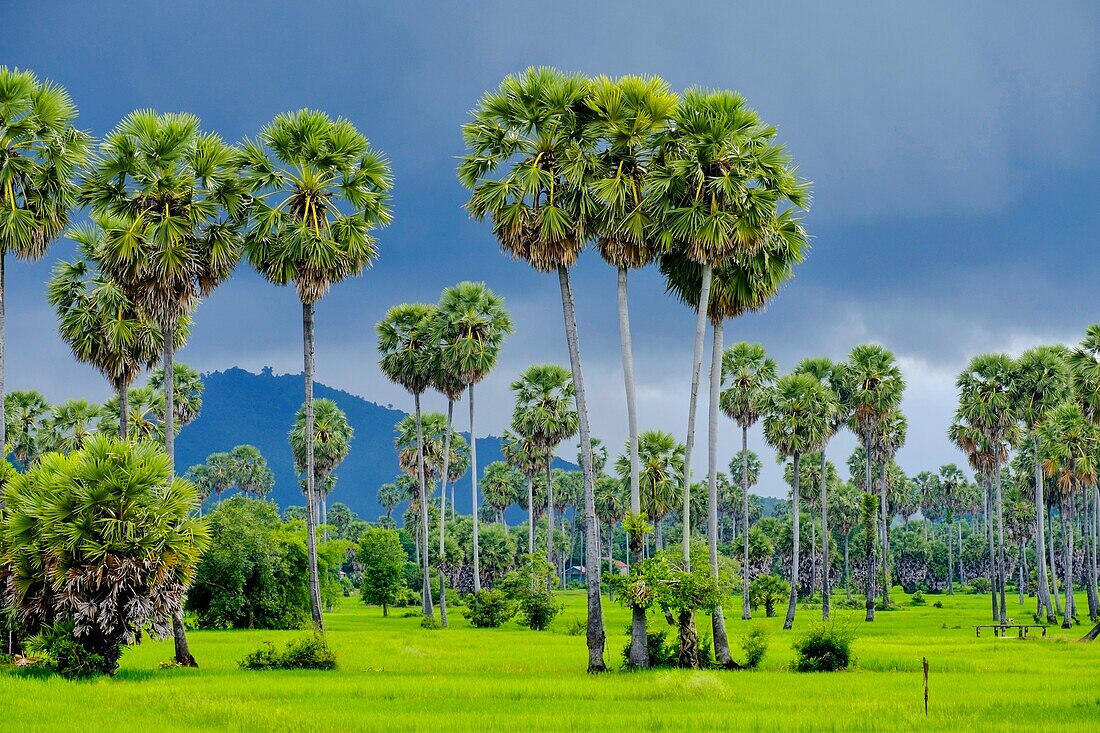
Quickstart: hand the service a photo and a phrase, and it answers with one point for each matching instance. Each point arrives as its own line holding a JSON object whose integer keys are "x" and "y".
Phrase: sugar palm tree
{"x": 69, "y": 425}
{"x": 470, "y": 326}
{"x": 332, "y": 436}
{"x": 1041, "y": 379}
{"x": 187, "y": 388}
{"x": 409, "y": 358}
{"x": 318, "y": 191}
{"x": 979, "y": 451}
{"x": 449, "y": 384}
{"x": 797, "y": 422}
{"x": 528, "y": 162}
{"x": 545, "y": 414}
{"x": 169, "y": 201}
{"x": 748, "y": 375}
{"x": 521, "y": 453}
{"x": 41, "y": 152}
{"x": 390, "y": 495}
{"x": 889, "y": 438}
{"x": 986, "y": 403}
{"x": 503, "y": 486}
{"x": 250, "y": 471}
{"x": 24, "y": 412}
{"x": 953, "y": 485}
{"x": 661, "y": 462}
{"x": 876, "y": 386}
{"x": 1070, "y": 444}
{"x": 844, "y": 513}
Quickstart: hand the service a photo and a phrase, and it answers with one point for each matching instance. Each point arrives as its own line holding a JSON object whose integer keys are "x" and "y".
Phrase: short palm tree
{"x": 529, "y": 157}
{"x": 318, "y": 190}
{"x": 42, "y": 150}
{"x": 1041, "y": 380}
{"x": 24, "y": 412}
{"x": 844, "y": 515}
{"x": 545, "y": 414}
{"x": 332, "y": 436}
{"x": 503, "y": 486}
{"x": 470, "y": 326}
{"x": 521, "y": 453}
{"x": 69, "y": 425}
{"x": 797, "y": 422}
{"x": 661, "y": 463}
{"x": 390, "y": 495}
{"x": 409, "y": 358}
{"x": 250, "y": 471}
{"x": 188, "y": 389}
{"x": 876, "y": 386}
{"x": 747, "y": 377}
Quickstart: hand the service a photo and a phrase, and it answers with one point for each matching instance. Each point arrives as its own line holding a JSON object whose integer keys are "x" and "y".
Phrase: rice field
{"x": 395, "y": 676}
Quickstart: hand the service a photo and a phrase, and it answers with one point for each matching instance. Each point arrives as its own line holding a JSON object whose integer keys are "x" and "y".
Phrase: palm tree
{"x": 470, "y": 326}
{"x": 332, "y": 436}
{"x": 390, "y": 495}
{"x": 521, "y": 453}
{"x": 876, "y": 388}
{"x": 24, "y": 411}
{"x": 661, "y": 462}
{"x": 188, "y": 389}
{"x": 889, "y": 438}
{"x": 533, "y": 132}
{"x": 1069, "y": 455}
{"x": 68, "y": 426}
{"x": 748, "y": 374}
{"x": 318, "y": 190}
{"x": 980, "y": 451}
{"x": 844, "y": 510}
{"x": 545, "y": 414}
{"x": 986, "y": 404}
{"x": 1085, "y": 365}
{"x": 628, "y": 113}
{"x": 503, "y": 486}
{"x": 797, "y": 422}
{"x": 953, "y": 484}
{"x": 250, "y": 471}
{"x": 169, "y": 201}
{"x": 409, "y": 357}
{"x": 41, "y": 152}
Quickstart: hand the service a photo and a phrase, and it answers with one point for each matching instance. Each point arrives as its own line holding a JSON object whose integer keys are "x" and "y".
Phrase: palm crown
{"x": 332, "y": 435}
{"x": 747, "y": 375}
{"x": 544, "y": 405}
{"x": 876, "y": 387}
{"x": 799, "y": 413}
{"x": 470, "y": 324}
{"x": 409, "y": 353}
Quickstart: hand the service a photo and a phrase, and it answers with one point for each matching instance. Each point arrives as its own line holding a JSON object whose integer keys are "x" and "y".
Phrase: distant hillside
{"x": 242, "y": 407}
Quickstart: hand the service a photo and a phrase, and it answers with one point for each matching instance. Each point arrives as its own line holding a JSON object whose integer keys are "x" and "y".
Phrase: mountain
{"x": 239, "y": 406}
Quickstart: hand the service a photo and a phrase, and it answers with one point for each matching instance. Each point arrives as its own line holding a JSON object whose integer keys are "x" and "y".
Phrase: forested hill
{"x": 242, "y": 407}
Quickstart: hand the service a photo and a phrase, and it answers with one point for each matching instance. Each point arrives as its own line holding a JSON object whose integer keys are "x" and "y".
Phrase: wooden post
{"x": 924, "y": 660}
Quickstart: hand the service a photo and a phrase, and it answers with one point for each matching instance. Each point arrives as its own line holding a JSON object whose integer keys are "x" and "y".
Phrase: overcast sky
{"x": 954, "y": 150}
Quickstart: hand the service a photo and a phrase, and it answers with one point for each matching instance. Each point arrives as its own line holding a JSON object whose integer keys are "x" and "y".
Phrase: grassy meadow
{"x": 394, "y": 675}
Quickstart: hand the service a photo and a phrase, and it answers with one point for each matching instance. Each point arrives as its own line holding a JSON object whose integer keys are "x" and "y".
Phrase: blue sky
{"x": 954, "y": 149}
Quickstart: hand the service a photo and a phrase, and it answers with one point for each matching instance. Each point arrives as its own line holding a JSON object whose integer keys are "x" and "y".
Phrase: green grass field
{"x": 395, "y": 675}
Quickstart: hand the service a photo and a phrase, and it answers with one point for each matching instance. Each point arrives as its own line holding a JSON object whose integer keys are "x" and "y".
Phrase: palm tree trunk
{"x": 718, "y": 621}
{"x": 1043, "y": 590}
{"x": 746, "y": 607}
{"x": 3, "y": 267}
{"x": 425, "y": 565}
{"x": 870, "y": 551}
{"x": 795, "y": 511}
{"x": 959, "y": 531}
{"x": 1095, "y": 550}
{"x": 549, "y": 514}
{"x": 950, "y": 561}
{"x": 825, "y": 589}
{"x": 473, "y": 489}
{"x": 847, "y": 577}
{"x": 883, "y": 488}
{"x": 1067, "y": 561}
{"x": 1001, "y": 566}
{"x": 638, "y": 655}
{"x": 1053, "y": 566}
{"x": 1021, "y": 572}
{"x": 992, "y": 549}
{"x": 123, "y": 391}
{"x": 443, "y": 511}
{"x": 530, "y": 515}
{"x": 689, "y": 443}
{"x": 596, "y": 635}
{"x": 311, "y": 518}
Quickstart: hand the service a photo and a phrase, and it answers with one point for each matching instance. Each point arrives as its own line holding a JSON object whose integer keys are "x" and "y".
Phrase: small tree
{"x": 383, "y": 561}
{"x": 765, "y": 590}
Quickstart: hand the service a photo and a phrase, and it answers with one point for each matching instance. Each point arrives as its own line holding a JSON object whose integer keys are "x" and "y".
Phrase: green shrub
{"x": 917, "y": 599}
{"x": 662, "y": 653}
{"x": 755, "y": 645}
{"x": 431, "y": 623}
{"x": 577, "y": 627}
{"x": 850, "y": 604}
{"x": 978, "y": 586}
{"x": 56, "y": 650}
{"x": 310, "y": 652}
{"x": 528, "y": 588}
{"x": 937, "y": 604}
{"x": 488, "y": 609}
{"x": 827, "y": 648}
{"x": 767, "y": 590}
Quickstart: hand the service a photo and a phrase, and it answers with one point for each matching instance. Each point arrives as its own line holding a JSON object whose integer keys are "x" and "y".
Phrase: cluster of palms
{"x": 244, "y": 468}
{"x": 1045, "y": 405}
{"x": 171, "y": 211}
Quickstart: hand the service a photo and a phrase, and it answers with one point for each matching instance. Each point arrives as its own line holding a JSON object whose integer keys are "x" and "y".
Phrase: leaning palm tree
{"x": 169, "y": 201}
{"x": 521, "y": 453}
{"x": 470, "y": 327}
{"x": 876, "y": 388}
{"x": 318, "y": 191}
{"x": 409, "y": 358}
{"x": 797, "y": 422}
{"x": 748, "y": 374}
{"x": 986, "y": 404}
{"x": 1070, "y": 443}
{"x": 545, "y": 414}
{"x": 41, "y": 152}
{"x": 627, "y": 114}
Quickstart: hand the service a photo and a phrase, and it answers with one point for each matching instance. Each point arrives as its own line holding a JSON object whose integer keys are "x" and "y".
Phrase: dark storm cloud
{"x": 953, "y": 150}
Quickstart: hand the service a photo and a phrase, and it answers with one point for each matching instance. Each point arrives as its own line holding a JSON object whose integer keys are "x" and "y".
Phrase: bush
{"x": 767, "y": 590}
{"x": 850, "y": 604}
{"x": 755, "y": 645}
{"x": 488, "y": 609}
{"x": 662, "y": 653}
{"x": 827, "y": 648}
{"x": 528, "y": 588}
{"x": 56, "y": 650}
{"x": 431, "y": 623}
{"x": 917, "y": 599}
{"x": 383, "y": 559}
{"x": 978, "y": 586}
{"x": 937, "y": 604}
{"x": 310, "y": 652}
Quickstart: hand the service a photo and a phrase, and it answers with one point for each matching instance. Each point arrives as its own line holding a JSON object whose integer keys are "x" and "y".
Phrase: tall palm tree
{"x": 532, "y": 132}
{"x": 332, "y": 436}
{"x": 797, "y": 422}
{"x": 250, "y": 471}
{"x": 169, "y": 201}
{"x": 889, "y": 438}
{"x": 844, "y": 513}
{"x": 1070, "y": 444}
{"x": 521, "y": 453}
{"x": 449, "y": 384}
{"x": 953, "y": 485}
{"x": 986, "y": 403}
{"x": 318, "y": 190}
{"x": 470, "y": 326}
{"x": 627, "y": 114}
{"x": 748, "y": 374}
{"x": 1041, "y": 379}
{"x": 409, "y": 356}
{"x": 545, "y": 414}
{"x": 1085, "y": 365}
{"x": 24, "y": 412}
{"x": 41, "y": 151}
{"x": 980, "y": 451}
{"x": 661, "y": 463}
{"x": 876, "y": 388}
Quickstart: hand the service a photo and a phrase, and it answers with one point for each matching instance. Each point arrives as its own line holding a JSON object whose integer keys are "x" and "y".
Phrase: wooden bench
{"x": 1001, "y": 630}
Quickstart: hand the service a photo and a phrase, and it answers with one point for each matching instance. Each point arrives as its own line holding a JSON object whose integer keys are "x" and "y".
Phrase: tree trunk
{"x": 549, "y": 514}
{"x": 870, "y": 551}
{"x": 1095, "y": 550}
{"x": 1067, "y": 570}
{"x": 885, "y": 540}
{"x": 847, "y": 583}
{"x": 826, "y": 590}
{"x": 795, "y": 511}
{"x": 1001, "y": 566}
{"x": 1053, "y": 566}
{"x": 689, "y": 640}
{"x": 596, "y": 634}
{"x": 639, "y": 654}
{"x": 473, "y": 489}
{"x": 443, "y": 512}
{"x": 123, "y": 391}
{"x": 1021, "y": 574}
{"x": 3, "y": 394}
{"x": 311, "y": 518}
{"x": 992, "y": 548}
{"x": 746, "y": 607}
{"x": 689, "y": 443}
{"x": 1042, "y": 589}
{"x": 950, "y": 561}
{"x": 718, "y": 621}
{"x": 530, "y": 515}
{"x": 425, "y": 565}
